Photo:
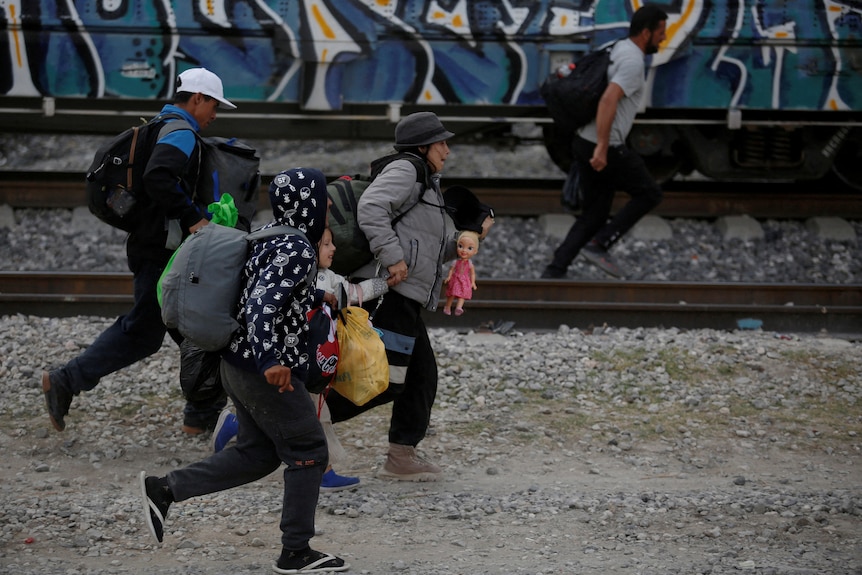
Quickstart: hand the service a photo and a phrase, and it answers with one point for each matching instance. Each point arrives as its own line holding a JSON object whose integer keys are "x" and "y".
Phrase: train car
{"x": 741, "y": 89}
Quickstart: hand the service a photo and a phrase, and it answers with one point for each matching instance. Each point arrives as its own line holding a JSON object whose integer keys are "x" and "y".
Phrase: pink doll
{"x": 461, "y": 280}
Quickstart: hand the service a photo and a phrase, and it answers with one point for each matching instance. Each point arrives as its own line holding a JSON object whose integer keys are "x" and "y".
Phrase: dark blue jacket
{"x": 170, "y": 179}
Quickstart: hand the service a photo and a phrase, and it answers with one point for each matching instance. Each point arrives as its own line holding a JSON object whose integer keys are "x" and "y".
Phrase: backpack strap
{"x": 135, "y": 133}
{"x": 422, "y": 176}
{"x": 261, "y": 233}
{"x": 180, "y": 123}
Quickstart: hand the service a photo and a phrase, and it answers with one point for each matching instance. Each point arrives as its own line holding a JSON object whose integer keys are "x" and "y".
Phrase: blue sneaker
{"x": 331, "y": 481}
{"x": 225, "y": 430}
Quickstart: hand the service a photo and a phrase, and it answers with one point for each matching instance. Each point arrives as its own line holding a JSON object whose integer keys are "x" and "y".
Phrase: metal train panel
{"x": 779, "y": 54}
{"x": 736, "y": 63}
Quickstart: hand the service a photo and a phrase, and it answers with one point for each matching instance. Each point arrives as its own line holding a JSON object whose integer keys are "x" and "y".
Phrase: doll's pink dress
{"x": 459, "y": 284}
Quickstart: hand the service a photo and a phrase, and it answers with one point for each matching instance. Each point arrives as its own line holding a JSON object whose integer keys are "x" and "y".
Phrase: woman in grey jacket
{"x": 403, "y": 215}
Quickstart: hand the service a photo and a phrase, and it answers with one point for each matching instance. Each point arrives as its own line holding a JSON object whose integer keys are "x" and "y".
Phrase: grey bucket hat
{"x": 420, "y": 129}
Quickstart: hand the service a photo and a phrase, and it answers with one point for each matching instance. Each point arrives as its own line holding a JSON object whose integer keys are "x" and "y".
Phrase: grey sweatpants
{"x": 274, "y": 428}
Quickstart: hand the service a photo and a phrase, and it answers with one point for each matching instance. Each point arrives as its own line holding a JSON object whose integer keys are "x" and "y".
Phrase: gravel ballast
{"x": 610, "y": 451}
{"x": 615, "y": 451}
{"x": 697, "y": 250}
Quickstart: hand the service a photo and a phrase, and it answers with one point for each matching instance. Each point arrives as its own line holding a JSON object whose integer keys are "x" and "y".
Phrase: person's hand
{"x": 201, "y": 223}
{"x": 486, "y": 227}
{"x": 397, "y": 273}
{"x": 600, "y": 159}
{"x": 330, "y": 299}
{"x": 279, "y": 375}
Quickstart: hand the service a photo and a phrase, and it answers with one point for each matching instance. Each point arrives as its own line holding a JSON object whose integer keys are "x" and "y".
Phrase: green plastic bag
{"x": 224, "y": 211}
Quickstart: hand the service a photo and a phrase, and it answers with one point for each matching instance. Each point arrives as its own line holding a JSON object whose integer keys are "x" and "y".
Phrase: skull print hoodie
{"x": 279, "y": 278}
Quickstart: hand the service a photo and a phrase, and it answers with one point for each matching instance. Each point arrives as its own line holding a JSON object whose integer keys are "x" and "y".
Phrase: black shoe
{"x": 600, "y": 257}
{"x": 308, "y": 561}
{"x": 57, "y": 400}
{"x": 157, "y": 499}
{"x": 552, "y": 273}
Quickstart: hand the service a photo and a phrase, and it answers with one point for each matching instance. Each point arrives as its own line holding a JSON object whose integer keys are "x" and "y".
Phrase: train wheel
{"x": 848, "y": 162}
{"x": 658, "y": 146}
{"x": 663, "y": 166}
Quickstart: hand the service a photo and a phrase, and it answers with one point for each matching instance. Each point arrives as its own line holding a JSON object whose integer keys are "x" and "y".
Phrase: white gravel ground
{"x": 618, "y": 451}
{"x": 518, "y": 247}
{"x": 642, "y": 452}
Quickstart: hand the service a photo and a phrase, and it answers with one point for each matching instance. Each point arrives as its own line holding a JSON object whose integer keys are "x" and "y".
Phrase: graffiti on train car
{"x": 765, "y": 54}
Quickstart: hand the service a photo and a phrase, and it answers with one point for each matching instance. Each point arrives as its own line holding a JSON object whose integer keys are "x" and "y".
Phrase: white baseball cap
{"x": 203, "y": 81}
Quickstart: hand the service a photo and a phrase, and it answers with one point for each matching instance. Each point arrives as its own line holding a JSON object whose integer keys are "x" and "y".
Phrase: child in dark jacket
{"x": 264, "y": 372}
{"x": 338, "y": 292}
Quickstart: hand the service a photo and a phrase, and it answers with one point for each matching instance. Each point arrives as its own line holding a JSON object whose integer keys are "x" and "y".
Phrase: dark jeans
{"x": 274, "y": 428}
{"x": 411, "y": 401}
{"x": 625, "y": 171}
{"x": 131, "y": 338}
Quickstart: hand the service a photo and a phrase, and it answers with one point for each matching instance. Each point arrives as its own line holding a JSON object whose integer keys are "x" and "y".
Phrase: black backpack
{"x": 573, "y": 100}
{"x": 115, "y": 177}
{"x": 352, "y": 249}
{"x": 230, "y": 166}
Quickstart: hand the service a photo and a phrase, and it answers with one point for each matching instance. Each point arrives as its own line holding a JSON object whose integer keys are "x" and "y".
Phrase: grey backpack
{"x": 200, "y": 287}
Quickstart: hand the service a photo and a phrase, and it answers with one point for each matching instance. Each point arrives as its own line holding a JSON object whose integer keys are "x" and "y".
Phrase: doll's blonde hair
{"x": 472, "y": 235}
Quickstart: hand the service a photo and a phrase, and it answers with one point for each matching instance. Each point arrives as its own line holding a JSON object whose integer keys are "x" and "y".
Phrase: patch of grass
{"x": 621, "y": 359}
{"x": 152, "y": 400}
{"x": 470, "y": 429}
{"x": 568, "y": 424}
{"x": 807, "y": 426}
{"x": 679, "y": 365}
{"x": 834, "y": 369}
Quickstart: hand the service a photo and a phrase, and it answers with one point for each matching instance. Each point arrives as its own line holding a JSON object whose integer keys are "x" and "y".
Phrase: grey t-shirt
{"x": 626, "y": 71}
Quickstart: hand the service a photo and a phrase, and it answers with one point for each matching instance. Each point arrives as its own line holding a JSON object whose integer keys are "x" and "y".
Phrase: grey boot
{"x": 402, "y": 463}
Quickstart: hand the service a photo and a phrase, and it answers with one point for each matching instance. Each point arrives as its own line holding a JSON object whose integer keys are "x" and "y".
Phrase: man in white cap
{"x": 165, "y": 214}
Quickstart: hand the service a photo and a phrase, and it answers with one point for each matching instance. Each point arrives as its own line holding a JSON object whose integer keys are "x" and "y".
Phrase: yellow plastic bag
{"x": 363, "y": 370}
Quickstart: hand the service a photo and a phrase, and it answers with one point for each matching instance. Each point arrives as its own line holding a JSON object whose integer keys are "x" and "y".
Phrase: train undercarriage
{"x": 751, "y": 145}
{"x": 759, "y": 150}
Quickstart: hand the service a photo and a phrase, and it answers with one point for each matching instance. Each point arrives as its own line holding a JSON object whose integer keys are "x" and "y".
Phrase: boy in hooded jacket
{"x": 263, "y": 372}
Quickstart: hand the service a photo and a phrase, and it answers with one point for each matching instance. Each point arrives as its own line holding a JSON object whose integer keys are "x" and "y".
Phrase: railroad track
{"x": 536, "y": 304}
{"x": 509, "y": 197}
{"x": 530, "y": 304}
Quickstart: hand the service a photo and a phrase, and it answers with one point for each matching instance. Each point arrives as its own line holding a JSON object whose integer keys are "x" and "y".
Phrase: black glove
{"x": 465, "y": 209}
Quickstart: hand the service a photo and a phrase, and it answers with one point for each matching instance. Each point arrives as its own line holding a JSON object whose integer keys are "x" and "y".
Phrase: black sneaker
{"x": 156, "y": 498}
{"x": 600, "y": 257}
{"x": 552, "y": 273}
{"x": 57, "y": 400}
{"x": 308, "y": 561}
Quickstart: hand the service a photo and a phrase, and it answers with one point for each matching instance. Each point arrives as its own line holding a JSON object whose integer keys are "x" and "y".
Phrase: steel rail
{"x": 24, "y": 111}
{"x": 531, "y": 304}
{"x": 509, "y": 197}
